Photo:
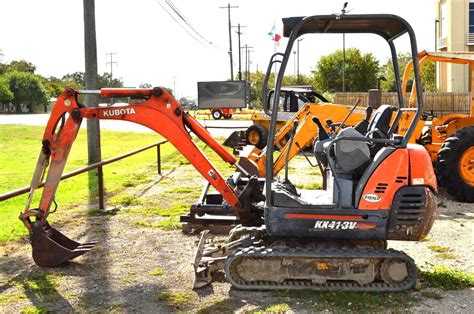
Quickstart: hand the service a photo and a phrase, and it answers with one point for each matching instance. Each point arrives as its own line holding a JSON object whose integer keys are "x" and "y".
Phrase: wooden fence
{"x": 439, "y": 103}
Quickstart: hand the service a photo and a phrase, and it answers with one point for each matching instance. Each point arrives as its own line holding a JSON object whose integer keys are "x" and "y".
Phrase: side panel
{"x": 326, "y": 223}
{"x": 413, "y": 213}
{"x": 421, "y": 168}
{"x": 390, "y": 175}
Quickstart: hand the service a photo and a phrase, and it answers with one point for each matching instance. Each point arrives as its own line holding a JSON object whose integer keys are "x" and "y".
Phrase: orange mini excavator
{"x": 377, "y": 186}
{"x": 160, "y": 112}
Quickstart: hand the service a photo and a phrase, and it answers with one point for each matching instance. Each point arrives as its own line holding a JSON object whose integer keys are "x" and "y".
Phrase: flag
{"x": 273, "y": 35}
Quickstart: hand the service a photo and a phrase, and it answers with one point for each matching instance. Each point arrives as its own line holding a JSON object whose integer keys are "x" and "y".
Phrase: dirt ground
{"x": 138, "y": 267}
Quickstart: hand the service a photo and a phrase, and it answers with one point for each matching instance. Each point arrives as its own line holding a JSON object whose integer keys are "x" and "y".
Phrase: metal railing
{"x": 98, "y": 166}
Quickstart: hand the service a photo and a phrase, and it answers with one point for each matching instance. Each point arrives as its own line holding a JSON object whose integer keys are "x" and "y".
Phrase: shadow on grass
{"x": 94, "y": 268}
{"x": 39, "y": 286}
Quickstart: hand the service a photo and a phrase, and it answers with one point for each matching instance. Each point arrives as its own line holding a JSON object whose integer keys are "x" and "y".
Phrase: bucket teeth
{"x": 51, "y": 248}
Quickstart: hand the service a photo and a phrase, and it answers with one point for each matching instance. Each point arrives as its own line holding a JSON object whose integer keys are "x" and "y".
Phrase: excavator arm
{"x": 159, "y": 111}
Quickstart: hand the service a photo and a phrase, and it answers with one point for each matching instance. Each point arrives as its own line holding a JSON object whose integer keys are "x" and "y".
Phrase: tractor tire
{"x": 227, "y": 116}
{"x": 256, "y": 135}
{"x": 455, "y": 165}
{"x": 217, "y": 114}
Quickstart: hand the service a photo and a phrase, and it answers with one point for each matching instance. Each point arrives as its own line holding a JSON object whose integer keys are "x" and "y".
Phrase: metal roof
{"x": 386, "y": 25}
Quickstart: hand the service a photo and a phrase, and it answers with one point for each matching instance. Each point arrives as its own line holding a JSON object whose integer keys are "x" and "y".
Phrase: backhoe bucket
{"x": 51, "y": 248}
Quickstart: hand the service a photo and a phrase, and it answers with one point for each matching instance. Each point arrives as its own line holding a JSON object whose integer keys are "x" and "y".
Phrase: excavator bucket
{"x": 51, "y": 248}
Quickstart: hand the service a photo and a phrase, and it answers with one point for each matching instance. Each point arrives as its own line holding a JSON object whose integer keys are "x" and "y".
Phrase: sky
{"x": 151, "y": 46}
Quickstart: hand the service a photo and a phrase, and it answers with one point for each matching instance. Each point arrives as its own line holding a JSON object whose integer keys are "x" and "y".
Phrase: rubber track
{"x": 325, "y": 253}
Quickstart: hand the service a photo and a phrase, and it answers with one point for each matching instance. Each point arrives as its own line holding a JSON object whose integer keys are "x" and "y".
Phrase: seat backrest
{"x": 381, "y": 122}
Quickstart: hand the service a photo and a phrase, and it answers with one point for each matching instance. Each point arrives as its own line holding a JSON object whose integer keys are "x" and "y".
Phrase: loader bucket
{"x": 234, "y": 139}
{"x": 51, "y": 248}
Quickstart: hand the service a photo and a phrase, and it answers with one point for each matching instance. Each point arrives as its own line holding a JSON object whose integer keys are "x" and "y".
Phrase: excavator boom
{"x": 159, "y": 111}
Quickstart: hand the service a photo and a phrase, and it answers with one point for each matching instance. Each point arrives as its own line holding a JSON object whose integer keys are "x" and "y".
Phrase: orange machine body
{"x": 410, "y": 166}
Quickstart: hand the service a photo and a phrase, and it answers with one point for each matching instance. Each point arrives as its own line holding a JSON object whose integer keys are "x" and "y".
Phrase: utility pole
{"x": 343, "y": 11}
{"x": 298, "y": 59}
{"x": 111, "y": 63}
{"x": 174, "y": 87}
{"x": 93, "y": 127}
{"x": 294, "y": 62}
{"x": 247, "y": 61}
{"x": 240, "y": 55}
{"x": 228, "y": 7}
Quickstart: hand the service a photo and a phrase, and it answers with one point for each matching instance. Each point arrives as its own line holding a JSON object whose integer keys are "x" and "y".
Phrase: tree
{"x": 6, "y": 95}
{"x": 104, "y": 81}
{"x": 428, "y": 77}
{"x": 360, "y": 71}
{"x": 255, "y": 88}
{"x": 21, "y": 66}
{"x": 53, "y": 85}
{"x": 27, "y": 90}
{"x": 428, "y": 74}
{"x": 76, "y": 80}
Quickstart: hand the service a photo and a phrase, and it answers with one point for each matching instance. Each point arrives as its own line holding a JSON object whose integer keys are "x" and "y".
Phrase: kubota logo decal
{"x": 332, "y": 224}
{"x": 118, "y": 112}
{"x": 373, "y": 198}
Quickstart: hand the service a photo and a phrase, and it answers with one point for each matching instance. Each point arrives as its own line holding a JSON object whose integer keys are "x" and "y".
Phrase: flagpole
{"x": 274, "y": 51}
{"x": 275, "y": 67}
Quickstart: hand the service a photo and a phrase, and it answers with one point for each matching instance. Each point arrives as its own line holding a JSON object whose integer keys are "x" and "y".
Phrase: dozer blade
{"x": 51, "y": 248}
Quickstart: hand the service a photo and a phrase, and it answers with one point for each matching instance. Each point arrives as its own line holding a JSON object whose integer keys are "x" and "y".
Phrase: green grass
{"x": 218, "y": 305}
{"x": 125, "y": 200}
{"x": 34, "y": 310}
{"x": 438, "y": 248}
{"x": 157, "y": 272}
{"x": 447, "y": 256}
{"x": 277, "y": 308}
{"x": 20, "y": 146}
{"x": 346, "y": 301}
{"x": 168, "y": 224}
{"x": 309, "y": 186}
{"x": 443, "y": 252}
{"x": 446, "y": 278}
{"x": 175, "y": 299}
{"x": 11, "y": 298}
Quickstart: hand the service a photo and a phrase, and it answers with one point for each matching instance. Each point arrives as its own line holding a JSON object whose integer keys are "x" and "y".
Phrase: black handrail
{"x": 99, "y": 165}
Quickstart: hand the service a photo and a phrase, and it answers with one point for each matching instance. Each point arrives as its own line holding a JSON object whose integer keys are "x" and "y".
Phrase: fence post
{"x": 100, "y": 182}
{"x": 158, "y": 157}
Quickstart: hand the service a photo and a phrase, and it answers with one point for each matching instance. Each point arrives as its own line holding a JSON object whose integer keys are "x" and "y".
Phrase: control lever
{"x": 363, "y": 126}
{"x": 331, "y": 124}
{"x": 322, "y": 134}
{"x": 343, "y": 123}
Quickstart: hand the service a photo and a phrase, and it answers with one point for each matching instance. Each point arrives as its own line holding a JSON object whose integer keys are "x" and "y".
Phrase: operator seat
{"x": 379, "y": 127}
{"x": 380, "y": 123}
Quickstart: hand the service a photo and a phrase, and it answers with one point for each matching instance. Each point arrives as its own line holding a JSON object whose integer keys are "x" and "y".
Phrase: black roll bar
{"x": 387, "y": 26}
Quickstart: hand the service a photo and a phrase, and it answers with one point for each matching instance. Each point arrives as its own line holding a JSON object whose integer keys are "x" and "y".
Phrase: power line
{"x": 182, "y": 26}
{"x": 185, "y": 20}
